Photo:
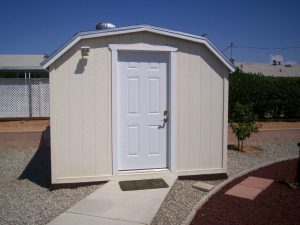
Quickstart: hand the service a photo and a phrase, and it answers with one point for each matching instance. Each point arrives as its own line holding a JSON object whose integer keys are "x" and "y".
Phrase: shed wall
{"x": 81, "y": 140}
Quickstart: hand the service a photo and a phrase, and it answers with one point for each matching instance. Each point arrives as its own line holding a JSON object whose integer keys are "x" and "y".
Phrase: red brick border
{"x": 268, "y": 135}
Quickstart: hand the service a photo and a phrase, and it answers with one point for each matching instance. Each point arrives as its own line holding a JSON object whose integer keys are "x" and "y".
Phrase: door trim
{"x": 172, "y": 134}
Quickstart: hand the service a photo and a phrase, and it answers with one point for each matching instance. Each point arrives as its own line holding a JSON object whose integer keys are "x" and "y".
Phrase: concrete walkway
{"x": 110, "y": 205}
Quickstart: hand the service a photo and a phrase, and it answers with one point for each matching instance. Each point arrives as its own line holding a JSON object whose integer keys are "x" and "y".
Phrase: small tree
{"x": 243, "y": 123}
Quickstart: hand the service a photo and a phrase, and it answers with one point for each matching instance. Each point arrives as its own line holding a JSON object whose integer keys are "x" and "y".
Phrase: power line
{"x": 266, "y": 48}
{"x": 259, "y": 48}
{"x": 232, "y": 46}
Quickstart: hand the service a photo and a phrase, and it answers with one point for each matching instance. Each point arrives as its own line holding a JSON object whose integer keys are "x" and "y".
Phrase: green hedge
{"x": 274, "y": 97}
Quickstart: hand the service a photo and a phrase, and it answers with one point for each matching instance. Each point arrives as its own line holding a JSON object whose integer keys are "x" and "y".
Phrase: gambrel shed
{"x": 135, "y": 101}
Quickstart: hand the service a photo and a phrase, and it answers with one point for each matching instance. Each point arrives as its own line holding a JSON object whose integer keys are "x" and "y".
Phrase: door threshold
{"x": 123, "y": 172}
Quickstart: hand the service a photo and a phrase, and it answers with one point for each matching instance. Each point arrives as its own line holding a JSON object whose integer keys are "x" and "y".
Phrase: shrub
{"x": 277, "y": 97}
{"x": 243, "y": 123}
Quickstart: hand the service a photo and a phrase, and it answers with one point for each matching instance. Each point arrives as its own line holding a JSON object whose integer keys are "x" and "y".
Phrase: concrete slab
{"x": 110, "y": 202}
{"x": 201, "y": 186}
{"x": 256, "y": 182}
{"x": 77, "y": 219}
{"x": 242, "y": 191}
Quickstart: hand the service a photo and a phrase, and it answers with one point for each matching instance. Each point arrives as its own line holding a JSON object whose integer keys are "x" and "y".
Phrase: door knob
{"x": 165, "y": 119}
{"x": 165, "y": 116}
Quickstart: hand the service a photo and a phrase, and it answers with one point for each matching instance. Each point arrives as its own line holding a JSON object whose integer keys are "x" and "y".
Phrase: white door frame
{"x": 172, "y": 132}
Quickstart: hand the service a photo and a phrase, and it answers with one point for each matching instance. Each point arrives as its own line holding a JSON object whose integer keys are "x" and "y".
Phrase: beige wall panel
{"x": 88, "y": 115}
{"x": 60, "y": 96}
{"x": 75, "y": 113}
{"x": 195, "y": 107}
{"x": 154, "y": 39}
{"x": 101, "y": 79}
{"x": 125, "y": 39}
{"x": 173, "y": 42}
{"x": 138, "y": 37}
{"x": 206, "y": 113}
{"x": 109, "y": 112}
{"x": 217, "y": 122}
{"x": 183, "y": 76}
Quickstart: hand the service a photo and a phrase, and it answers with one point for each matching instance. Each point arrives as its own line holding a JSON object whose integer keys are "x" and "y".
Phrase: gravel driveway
{"x": 25, "y": 179}
{"x": 24, "y": 194}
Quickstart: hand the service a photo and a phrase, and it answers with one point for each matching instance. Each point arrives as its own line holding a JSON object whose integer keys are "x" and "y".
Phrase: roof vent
{"x": 103, "y": 26}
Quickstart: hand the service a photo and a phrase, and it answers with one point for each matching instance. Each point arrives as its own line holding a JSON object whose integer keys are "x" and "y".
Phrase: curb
{"x": 278, "y": 129}
{"x": 192, "y": 214}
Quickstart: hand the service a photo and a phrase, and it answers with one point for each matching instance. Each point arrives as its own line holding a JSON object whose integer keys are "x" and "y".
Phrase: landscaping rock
{"x": 201, "y": 186}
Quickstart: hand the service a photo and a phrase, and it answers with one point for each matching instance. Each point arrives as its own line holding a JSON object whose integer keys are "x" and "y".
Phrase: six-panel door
{"x": 142, "y": 100}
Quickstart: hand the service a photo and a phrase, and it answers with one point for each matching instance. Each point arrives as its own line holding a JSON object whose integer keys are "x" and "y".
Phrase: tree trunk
{"x": 238, "y": 144}
{"x": 242, "y": 146}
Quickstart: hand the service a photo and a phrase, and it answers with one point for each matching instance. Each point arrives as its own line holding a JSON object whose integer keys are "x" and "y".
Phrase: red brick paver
{"x": 249, "y": 188}
{"x": 242, "y": 191}
{"x": 257, "y": 182}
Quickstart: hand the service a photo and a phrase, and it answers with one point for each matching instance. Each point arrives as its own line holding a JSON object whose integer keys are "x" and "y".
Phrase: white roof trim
{"x": 134, "y": 29}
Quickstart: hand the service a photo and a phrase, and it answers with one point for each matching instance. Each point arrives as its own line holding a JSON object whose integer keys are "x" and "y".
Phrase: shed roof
{"x": 271, "y": 70}
{"x": 21, "y": 62}
{"x": 132, "y": 29}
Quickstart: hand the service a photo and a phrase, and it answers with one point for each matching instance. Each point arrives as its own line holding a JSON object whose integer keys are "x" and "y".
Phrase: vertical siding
{"x": 101, "y": 101}
{"x": 75, "y": 113}
{"x": 60, "y": 96}
{"x": 217, "y": 121}
{"x": 80, "y": 119}
{"x": 81, "y": 107}
{"x": 206, "y": 112}
{"x": 88, "y": 118}
{"x": 183, "y": 146}
{"x": 195, "y": 107}
{"x": 154, "y": 39}
{"x": 200, "y": 108}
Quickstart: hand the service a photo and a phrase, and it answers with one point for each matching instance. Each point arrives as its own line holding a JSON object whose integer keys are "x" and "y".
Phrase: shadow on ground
{"x": 38, "y": 169}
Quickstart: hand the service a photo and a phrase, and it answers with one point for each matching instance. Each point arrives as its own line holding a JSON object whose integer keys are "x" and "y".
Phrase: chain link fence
{"x": 24, "y": 98}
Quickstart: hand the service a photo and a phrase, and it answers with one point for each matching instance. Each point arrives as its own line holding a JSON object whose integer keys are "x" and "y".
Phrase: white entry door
{"x": 142, "y": 103}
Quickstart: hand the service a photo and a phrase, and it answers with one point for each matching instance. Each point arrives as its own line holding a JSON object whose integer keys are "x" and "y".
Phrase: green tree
{"x": 243, "y": 123}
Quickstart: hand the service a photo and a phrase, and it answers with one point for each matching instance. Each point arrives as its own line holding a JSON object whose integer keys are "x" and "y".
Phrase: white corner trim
{"x": 225, "y": 119}
{"x": 172, "y": 136}
{"x": 142, "y": 47}
{"x": 173, "y": 110}
{"x": 115, "y": 140}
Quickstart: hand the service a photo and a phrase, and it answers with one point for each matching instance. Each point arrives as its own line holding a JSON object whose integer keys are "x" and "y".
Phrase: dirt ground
{"x": 40, "y": 125}
{"x": 278, "y": 204}
{"x": 24, "y": 125}
{"x": 279, "y": 125}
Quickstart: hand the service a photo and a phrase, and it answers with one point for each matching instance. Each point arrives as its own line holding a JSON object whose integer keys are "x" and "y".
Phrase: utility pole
{"x": 231, "y": 53}
{"x": 231, "y": 46}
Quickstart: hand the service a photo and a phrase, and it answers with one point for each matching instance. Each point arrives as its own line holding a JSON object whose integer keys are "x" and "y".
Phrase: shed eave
{"x": 16, "y": 68}
{"x": 133, "y": 29}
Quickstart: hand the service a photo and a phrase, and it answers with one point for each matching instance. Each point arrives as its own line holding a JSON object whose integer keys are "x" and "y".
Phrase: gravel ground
{"x": 182, "y": 197}
{"x": 25, "y": 178}
{"x": 24, "y": 188}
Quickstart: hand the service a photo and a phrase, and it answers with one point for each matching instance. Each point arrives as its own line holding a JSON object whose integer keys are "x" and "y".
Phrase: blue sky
{"x": 41, "y": 26}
